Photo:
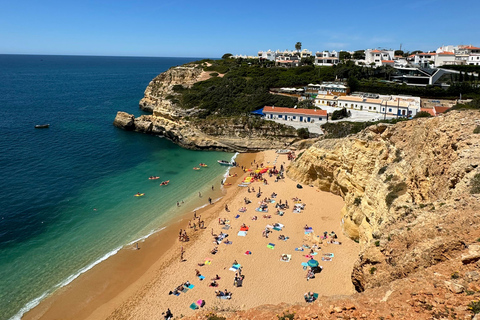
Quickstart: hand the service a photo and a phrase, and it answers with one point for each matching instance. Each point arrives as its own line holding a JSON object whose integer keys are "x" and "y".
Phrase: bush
{"x": 340, "y": 114}
{"x": 382, "y": 170}
{"x": 372, "y": 270}
{"x": 398, "y": 156}
{"x": 475, "y": 184}
{"x": 213, "y": 316}
{"x": 422, "y": 114}
{"x": 357, "y": 201}
{"x": 395, "y": 192}
{"x": 474, "y": 306}
{"x": 285, "y": 316}
{"x": 377, "y": 243}
{"x": 476, "y": 130}
{"x": 303, "y": 133}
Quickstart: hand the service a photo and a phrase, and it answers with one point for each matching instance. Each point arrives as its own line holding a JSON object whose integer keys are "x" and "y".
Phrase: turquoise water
{"x": 67, "y": 192}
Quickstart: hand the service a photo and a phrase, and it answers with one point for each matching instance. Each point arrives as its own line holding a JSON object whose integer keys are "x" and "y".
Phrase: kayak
{"x": 195, "y": 168}
{"x": 139, "y": 195}
{"x": 153, "y": 178}
{"x": 164, "y": 183}
{"x": 203, "y": 165}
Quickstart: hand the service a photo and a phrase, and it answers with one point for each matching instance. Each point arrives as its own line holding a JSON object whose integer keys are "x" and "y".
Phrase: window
{"x": 369, "y": 108}
{"x": 294, "y": 117}
{"x": 375, "y": 108}
{"x": 351, "y": 105}
{"x": 389, "y": 109}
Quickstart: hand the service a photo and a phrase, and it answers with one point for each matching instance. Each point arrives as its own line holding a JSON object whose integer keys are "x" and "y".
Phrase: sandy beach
{"x": 135, "y": 284}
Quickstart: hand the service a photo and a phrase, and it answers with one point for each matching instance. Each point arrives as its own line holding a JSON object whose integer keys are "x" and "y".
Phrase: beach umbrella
{"x": 312, "y": 263}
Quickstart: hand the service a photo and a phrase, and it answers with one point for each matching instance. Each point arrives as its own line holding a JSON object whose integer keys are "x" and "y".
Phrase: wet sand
{"x": 134, "y": 284}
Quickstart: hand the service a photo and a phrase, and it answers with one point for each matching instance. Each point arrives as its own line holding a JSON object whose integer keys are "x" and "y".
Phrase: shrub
{"x": 398, "y": 156}
{"x": 357, "y": 201}
{"x": 474, "y": 306}
{"x": 475, "y": 184}
{"x": 422, "y": 114}
{"x": 455, "y": 275}
{"x": 372, "y": 270}
{"x": 395, "y": 192}
{"x": 476, "y": 130}
{"x": 286, "y": 316}
{"x": 377, "y": 243}
{"x": 340, "y": 114}
{"x": 389, "y": 178}
{"x": 178, "y": 88}
{"x": 213, "y": 316}
{"x": 303, "y": 133}
{"x": 382, "y": 170}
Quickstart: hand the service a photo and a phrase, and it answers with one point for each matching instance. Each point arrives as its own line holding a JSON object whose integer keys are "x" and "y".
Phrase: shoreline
{"x": 121, "y": 269}
{"x": 138, "y": 281}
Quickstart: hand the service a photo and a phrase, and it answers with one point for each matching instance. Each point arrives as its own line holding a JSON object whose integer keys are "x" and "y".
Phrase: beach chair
{"x": 271, "y": 246}
{"x": 277, "y": 229}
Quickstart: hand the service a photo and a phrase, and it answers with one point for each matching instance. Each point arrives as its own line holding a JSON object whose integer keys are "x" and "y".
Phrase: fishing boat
{"x": 225, "y": 163}
{"x": 41, "y": 126}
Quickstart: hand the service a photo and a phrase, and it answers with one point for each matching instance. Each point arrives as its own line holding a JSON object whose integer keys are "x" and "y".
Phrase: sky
{"x": 164, "y": 28}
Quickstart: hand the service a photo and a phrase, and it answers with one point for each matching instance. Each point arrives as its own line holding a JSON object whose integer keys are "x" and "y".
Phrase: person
{"x": 168, "y": 315}
{"x": 212, "y": 188}
{"x": 213, "y": 283}
{"x": 199, "y": 194}
{"x": 178, "y": 204}
{"x": 226, "y": 207}
{"x": 136, "y": 246}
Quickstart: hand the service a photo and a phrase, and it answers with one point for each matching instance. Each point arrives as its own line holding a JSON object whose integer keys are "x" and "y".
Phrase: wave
{"x": 35, "y": 302}
{"x": 145, "y": 236}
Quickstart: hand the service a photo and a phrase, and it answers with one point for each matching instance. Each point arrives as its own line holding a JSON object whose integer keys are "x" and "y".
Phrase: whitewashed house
{"x": 292, "y": 114}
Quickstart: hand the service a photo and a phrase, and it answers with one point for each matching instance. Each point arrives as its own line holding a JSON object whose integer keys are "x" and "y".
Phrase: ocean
{"x": 67, "y": 193}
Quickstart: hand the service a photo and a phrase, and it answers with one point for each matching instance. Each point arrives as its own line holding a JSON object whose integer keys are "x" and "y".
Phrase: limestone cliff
{"x": 406, "y": 191}
{"x": 241, "y": 134}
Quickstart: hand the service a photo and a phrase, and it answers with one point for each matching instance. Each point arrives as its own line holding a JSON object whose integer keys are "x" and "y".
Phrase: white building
{"x": 392, "y": 106}
{"x": 379, "y": 57}
{"x": 267, "y": 55}
{"x": 296, "y": 115}
{"x": 326, "y": 58}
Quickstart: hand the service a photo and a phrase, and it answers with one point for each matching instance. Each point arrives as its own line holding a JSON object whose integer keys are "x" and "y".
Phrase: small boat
{"x": 225, "y": 163}
{"x": 153, "y": 178}
{"x": 164, "y": 183}
{"x": 139, "y": 195}
{"x": 283, "y": 151}
{"x": 196, "y": 168}
{"x": 41, "y": 126}
{"x": 203, "y": 165}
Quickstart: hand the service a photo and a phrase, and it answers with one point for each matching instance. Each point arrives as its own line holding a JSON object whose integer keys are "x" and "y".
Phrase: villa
{"x": 293, "y": 114}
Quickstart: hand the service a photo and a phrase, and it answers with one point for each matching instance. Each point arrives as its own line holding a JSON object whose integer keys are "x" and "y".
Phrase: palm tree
{"x": 298, "y": 46}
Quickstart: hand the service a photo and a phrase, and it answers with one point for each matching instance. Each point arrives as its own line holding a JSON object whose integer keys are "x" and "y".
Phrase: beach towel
{"x": 269, "y": 226}
{"x": 277, "y": 229}
{"x": 304, "y": 265}
{"x": 176, "y": 294}
{"x": 244, "y": 229}
{"x": 237, "y": 216}
{"x": 227, "y": 242}
{"x": 238, "y": 265}
{"x": 328, "y": 255}
{"x": 242, "y": 233}
{"x": 193, "y": 306}
{"x": 299, "y": 249}
{"x": 190, "y": 286}
{"x": 201, "y": 277}
{"x": 286, "y": 238}
{"x": 224, "y": 297}
{"x": 248, "y": 252}
{"x": 208, "y": 262}
{"x": 272, "y": 201}
{"x": 314, "y": 254}
{"x": 200, "y": 303}
{"x": 308, "y": 232}
{"x": 271, "y": 246}
{"x": 226, "y": 227}
{"x": 326, "y": 259}
{"x": 289, "y": 257}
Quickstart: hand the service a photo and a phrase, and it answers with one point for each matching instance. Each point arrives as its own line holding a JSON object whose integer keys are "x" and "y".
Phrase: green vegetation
{"x": 214, "y": 74}
{"x": 213, "y": 316}
{"x": 476, "y": 130}
{"x": 227, "y": 56}
{"x": 377, "y": 243}
{"x": 303, "y": 133}
{"x": 395, "y": 191}
{"x": 357, "y": 201}
{"x": 422, "y": 114}
{"x": 398, "y": 156}
{"x": 455, "y": 275}
{"x": 475, "y": 184}
{"x": 340, "y": 114}
{"x": 473, "y": 105}
{"x": 286, "y": 315}
{"x": 382, "y": 170}
{"x": 372, "y": 270}
{"x": 298, "y": 46}
{"x": 474, "y": 306}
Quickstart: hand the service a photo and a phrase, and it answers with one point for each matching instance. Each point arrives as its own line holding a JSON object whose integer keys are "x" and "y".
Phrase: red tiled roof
{"x": 427, "y": 53}
{"x": 313, "y": 112}
{"x": 471, "y": 48}
{"x": 376, "y": 51}
{"x": 388, "y": 61}
{"x": 439, "y": 109}
{"x": 429, "y": 110}
{"x": 447, "y": 53}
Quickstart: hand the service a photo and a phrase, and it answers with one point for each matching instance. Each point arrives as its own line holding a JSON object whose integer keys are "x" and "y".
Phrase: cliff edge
{"x": 183, "y": 127}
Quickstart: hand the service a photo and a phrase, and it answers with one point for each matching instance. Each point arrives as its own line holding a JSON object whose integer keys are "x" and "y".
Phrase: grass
{"x": 474, "y": 306}
{"x": 475, "y": 184}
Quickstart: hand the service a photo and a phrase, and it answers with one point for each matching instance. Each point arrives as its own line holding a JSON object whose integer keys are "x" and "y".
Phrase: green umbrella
{"x": 312, "y": 263}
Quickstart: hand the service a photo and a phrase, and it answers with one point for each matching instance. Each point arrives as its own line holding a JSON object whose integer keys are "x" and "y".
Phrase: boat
{"x": 164, "y": 183}
{"x": 153, "y": 178}
{"x": 225, "y": 163}
{"x": 203, "y": 165}
{"x": 41, "y": 126}
{"x": 283, "y": 151}
{"x": 139, "y": 195}
{"x": 196, "y": 168}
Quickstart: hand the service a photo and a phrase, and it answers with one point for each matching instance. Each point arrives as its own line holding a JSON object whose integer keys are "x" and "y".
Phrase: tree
{"x": 343, "y": 55}
{"x": 359, "y": 55}
{"x": 303, "y": 133}
{"x": 307, "y": 61}
{"x": 306, "y": 104}
{"x": 399, "y": 52}
{"x": 298, "y": 46}
{"x": 353, "y": 84}
{"x": 227, "y": 56}
{"x": 416, "y": 51}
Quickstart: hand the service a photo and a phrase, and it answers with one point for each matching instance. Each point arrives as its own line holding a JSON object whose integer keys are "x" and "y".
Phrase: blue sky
{"x": 164, "y": 28}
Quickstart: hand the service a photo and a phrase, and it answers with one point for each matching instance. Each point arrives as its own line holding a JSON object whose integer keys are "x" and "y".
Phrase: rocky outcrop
{"x": 406, "y": 191}
{"x": 180, "y": 126}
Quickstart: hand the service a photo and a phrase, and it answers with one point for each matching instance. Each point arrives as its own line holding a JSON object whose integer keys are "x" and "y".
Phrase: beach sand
{"x": 135, "y": 284}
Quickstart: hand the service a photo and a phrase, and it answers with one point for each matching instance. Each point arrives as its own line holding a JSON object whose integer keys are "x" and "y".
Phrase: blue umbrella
{"x": 312, "y": 263}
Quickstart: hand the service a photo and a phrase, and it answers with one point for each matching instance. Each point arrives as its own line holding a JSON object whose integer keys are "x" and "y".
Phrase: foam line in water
{"x": 146, "y": 236}
{"x": 33, "y": 303}
{"x": 225, "y": 176}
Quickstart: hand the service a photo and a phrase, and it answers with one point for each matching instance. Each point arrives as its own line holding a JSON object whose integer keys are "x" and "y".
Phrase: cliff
{"x": 406, "y": 189}
{"x": 168, "y": 119}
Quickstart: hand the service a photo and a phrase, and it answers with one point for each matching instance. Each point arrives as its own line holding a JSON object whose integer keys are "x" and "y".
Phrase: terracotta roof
{"x": 427, "y": 53}
{"x": 313, "y": 112}
{"x": 446, "y": 53}
{"x": 388, "y": 61}
{"x": 439, "y": 109}
{"x": 429, "y": 110}
{"x": 376, "y": 51}
{"x": 471, "y": 48}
